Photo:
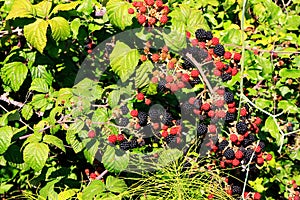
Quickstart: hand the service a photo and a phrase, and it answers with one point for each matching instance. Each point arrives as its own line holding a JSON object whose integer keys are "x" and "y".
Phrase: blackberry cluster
{"x": 222, "y": 145}
{"x": 123, "y": 121}
{"x": 241, "y": 127}
{"x": 219, "y": 50}
{"x": 124, "y": 109}
{"x": 201, "y": 129}
{"x": 229, "y": 154}
{"x": 143, "y": 118}
{"x": 228, "y": 97}
{"x": 167, "y": 119}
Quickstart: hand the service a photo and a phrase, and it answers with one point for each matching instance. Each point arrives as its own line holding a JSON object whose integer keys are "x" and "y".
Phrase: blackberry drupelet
{"x": 248, "y": 155}
{"x": 186, "y": 64}
{"x": 124, "y": 109}
{"x": 162, "y": 86}
{"x": 201, "y": 35}
{"x": 201, "y": 129}
{"x": 143, "y": 118}
{"x": 246, "y": 142}
{"x": 226, "y": 77}
{"x": 219, "y": 50}
{"x": 167, "y": 119}
{"x": 125, "y": 145}
{"x": 251, "y": 137}
{"x": 186, "y": 108}
{"x": 209, "y": 35}
{"x": 154, "y": 114}
{"x": 241, "y": 127}
{"x": 133, "y": 143}
{"x": 228, "y": 97}
{"x": 170, "y": 139}
{"x": 195, "y": 81}
{"x": 123, "y": 121}
{"x": 222, "y": 145}
{"x": 229, "y": 117}
{"x": 229, "y": 154}
{"x": 236, "y": 189}
{"x": 262, "y": 144}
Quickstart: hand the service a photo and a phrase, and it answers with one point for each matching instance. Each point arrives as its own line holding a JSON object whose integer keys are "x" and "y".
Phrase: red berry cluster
{"x": 150, "y": 12}
{"x": 294, "y": 190}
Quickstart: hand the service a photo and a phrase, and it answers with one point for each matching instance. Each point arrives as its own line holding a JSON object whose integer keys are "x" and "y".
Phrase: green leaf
{"x": 90, "y": 151}
{"x": 292, "y": 23}
{"x": 115, "y": 185}
{"x": 288, "y": 106}
{"x": 124, "y": 60}
{"x": 48, "y": 189}
{"x": 117, "y": 11}
{"x": 67, "y": 194}
{"x": 41, "y": 71}
{"x": 96, "y": 187}
{"x": 175, "y": 40}
{"x": 39, "y": 85}
{"x": 263, "y": 103}
{"x": 271, "y": 127}
{"x": 21, "y": 8}
{"x": 75, "y": 24}
{"x": 43, "y": 8}
{"x": 232, "y": 36}
{"x": 100, "y": 115}
{"x": 51, "y": 139}
{"x": 6, "y": 134}
{"x": 86, "y": 7}
{"x": 35, "y": 33}
{"x": 289, "y": 73}
{"x": 169, "y": 155}
{"x": 73, "y": 140}
{"x": 114, "y": 98}
{"x": 142, "y": 74}
{"x": 9, "y": 116}
{"x": 35, "y": 155}
{"x": 60, "y": 28}
{"x": 114, "y": 163}
{"x": 14, "y": 74}
{"x": 27, "y": 111}
{"x": 65, "y": 7}
{"x": 5, "y": 187}
{"x": 39, "y": 101}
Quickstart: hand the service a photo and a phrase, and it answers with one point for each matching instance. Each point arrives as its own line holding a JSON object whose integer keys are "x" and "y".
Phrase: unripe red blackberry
{"x": 112, "y": 138}
{"x": 237, "y": 57}
{"x": 215, "y": 41}
{"x": 159, "y": 3}
{"x": 91, "y": 134}
{"x": 163, "y": 19}
{"x": 140, "y": 96}
{"x": 256, "y": 196}
{"x": 155, "y": 57}
{"x": 134, "y": 113}
{"x": 130, "y": 10}
{"x": 142, "y": 19}
{"x": 142, "y": 9}
{"x": 227, "y": 55}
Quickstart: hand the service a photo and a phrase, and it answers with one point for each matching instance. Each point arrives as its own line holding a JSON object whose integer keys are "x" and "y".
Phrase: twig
{"x": 25, "y": 136}
{"x": 262, "y": 50}
{"x": 17, "y": 30}
{"x": 102, "y": 174}
{"x": 4, "y": 97}
{"x": 199, "y": 66}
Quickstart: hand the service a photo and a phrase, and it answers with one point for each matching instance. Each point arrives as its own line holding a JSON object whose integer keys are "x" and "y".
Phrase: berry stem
{"x": 242, "y": 59}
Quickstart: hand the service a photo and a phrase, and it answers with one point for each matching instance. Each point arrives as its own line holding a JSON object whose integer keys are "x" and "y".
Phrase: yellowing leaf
{"x": 35, "y": 34}
{"x": 60, "y": 28}
{"x": 65, "y": 7}
{"x": 43, "y": 8}
{"x": 21, "y": 8}
{"x": 35, "y": 155}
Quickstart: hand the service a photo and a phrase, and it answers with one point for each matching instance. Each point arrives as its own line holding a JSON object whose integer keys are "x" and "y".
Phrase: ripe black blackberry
{"x": 167, "y": 119}
{"x": 209, "y": 35}
{"x": 219, "y": 50}
{"x": 236, "y": 189}
{"x": 201, "y": 129}
{"x": 186, "y": 64}
{"x": 195, "y": 81}
{"x": 143, "y": 118}
{"x": 170, "y": 139}
{"x": 226, "y": 77}
{"x": 198, "y": 103}
{"x": 154, "y": 114}
{"x": 124, "y": 109}
{"x": 229, "y": 117}
{"x": 186, "y": 108}
{"x": 229, "y": 154}
{"x": 228, "y": 97}
{"x": 133, "y": 143}
{"x": 241, "y": 127}
{"x": 123, "y": 121}
{"x": 248, "y": 154}
{"x": 289, "y": 128}
{"x": 161, "y": 86}
{"x": 201, "y": 35}
{"x": 203, "y": 117}
{"x": 125, "y": 145}
{"x": 262, "y": 144}
{"x": 222, "y": 145}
